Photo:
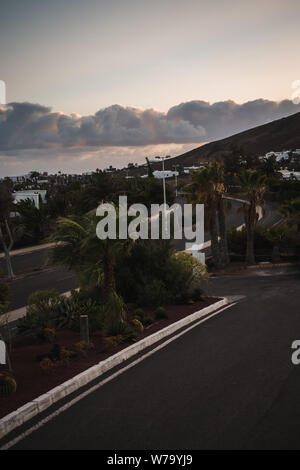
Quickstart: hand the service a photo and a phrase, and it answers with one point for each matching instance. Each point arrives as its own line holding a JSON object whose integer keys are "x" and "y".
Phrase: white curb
{"x": 33, "y": 408}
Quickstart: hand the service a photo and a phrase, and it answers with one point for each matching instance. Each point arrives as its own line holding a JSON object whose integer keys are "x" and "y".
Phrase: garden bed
{"x": 32, "y": 381}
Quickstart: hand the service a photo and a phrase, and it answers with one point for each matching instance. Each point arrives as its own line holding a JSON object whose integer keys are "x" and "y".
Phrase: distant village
{"x": 34, "y": 185}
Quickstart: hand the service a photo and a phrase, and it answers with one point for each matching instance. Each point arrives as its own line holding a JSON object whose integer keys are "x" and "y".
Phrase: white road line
{"x": 103, "y": 382}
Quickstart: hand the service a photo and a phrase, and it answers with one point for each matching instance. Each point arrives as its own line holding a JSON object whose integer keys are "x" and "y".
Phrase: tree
{"x": 254, "y": 183}
{"x": 207, "y": 186}
{"x": 79, "y": 248}
{"x": 5, "y": 231}
{"x": 32, "y": 220}
{"x": 291, "y": 211}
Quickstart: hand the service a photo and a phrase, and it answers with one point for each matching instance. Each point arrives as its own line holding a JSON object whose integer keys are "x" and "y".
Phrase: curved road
{"x": 227, "y": 384}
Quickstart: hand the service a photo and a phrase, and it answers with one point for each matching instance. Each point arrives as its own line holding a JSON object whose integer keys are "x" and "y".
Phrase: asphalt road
{"x": 26, "y": 262}
{"x": 60, "y": 279}
{"x": 227, "y": 384}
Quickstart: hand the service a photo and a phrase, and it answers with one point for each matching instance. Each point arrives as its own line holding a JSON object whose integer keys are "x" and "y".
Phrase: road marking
{"x": 108, "y": 379}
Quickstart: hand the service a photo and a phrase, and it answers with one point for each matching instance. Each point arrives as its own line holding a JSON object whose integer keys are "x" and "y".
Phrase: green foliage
{"x": 120, "y": 328}
{"x": 153, "y": 274}
{"x": 68, "y": 311}
{"x": 115, "y": 306}
{"x": 33, "y": 220}
{"x": 182, "y": 298}
{"x": 264, "y": 239}
{"x": 140, "y": 315}
{"x": 197, "y": 295}
{"x": 40, "y": 311}
{"x": 160, "y": 313}
{"x": 42, "y": 301}
{"x": 153, "y": 294}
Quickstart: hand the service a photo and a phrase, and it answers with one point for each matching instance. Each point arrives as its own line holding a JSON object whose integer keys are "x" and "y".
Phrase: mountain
{"x": 282, "y": 134}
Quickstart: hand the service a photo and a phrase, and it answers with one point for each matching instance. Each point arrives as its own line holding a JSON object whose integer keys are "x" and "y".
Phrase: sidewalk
{"x": 30, "y": 249}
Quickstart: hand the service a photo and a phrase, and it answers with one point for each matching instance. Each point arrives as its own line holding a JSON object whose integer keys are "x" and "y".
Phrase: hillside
{"x": 282, "y": 134}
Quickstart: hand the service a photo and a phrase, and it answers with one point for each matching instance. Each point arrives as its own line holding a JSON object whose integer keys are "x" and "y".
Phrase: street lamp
{"x": 164, "y": 188}
{"x": 164, "y": 181}
{"x": 176, "y": 190}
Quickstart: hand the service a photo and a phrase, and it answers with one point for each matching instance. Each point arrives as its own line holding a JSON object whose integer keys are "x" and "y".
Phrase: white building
{"x": 286, "y": 174}
{"x": 31, "y": 194}
{"x": 279, "y": 155}
{"x": 188, "y": 169}
{"x": 165, "y": 174}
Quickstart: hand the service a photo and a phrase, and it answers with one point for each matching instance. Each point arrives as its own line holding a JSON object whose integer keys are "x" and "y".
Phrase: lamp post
{"x": 176, "y": 190}
{"x": 164, "y": 188}
{"x": 164, "y": 181}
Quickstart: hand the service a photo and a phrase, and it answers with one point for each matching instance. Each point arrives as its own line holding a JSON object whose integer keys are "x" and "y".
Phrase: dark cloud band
{"x": 32, "y": 126}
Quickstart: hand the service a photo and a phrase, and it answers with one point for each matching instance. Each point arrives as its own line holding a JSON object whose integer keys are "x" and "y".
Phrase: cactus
{"x": 8, "y": 385}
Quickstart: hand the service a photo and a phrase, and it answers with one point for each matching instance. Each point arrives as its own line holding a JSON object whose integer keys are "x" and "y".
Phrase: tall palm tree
{"x": 79, "y": 248}
{"x": 291, "y": 211}
{"x": 207, "y": 186}
{"x": 254, "y": 184}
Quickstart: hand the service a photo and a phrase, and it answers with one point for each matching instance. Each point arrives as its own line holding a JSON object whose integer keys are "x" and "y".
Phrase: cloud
{"x": 32, "y": 126}
{"x": 226, "y": 118}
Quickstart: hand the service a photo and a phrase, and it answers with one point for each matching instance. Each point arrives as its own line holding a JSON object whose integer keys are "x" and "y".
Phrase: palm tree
{"x": 5, "y": 231}
{"x": 32, "y": 220}
{"x": 291, "y": 211}
{"x": 79, "y": 248}
{"x": 207, "y": 186}
{"x": 253, "y": 182}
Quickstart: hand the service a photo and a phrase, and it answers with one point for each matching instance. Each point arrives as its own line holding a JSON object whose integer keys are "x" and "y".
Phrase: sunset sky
{"x": 97, "y": 82}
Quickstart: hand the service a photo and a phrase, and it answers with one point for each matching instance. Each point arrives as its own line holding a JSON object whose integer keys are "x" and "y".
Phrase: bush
{"x": 197, "y": 295}
{"x": 182, "y": 298}
{"x": 120, "y": 328}
{"x": 154, "y": 294}
{"x": 40, "y": 311}
{"x": 160, "y": 313}
{"x": 140, "y": 315}
{"x": 42, "y": 301}
{"x": 67, "y": 312}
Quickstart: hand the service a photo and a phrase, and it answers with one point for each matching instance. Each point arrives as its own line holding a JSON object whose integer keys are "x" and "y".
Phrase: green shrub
{"x": 140, "y": 315}
{"x": 68, "y": 312}
{"x": 154, "y": 294}
{"x": 182, "y": 298}
{"x": 41, "y": 302}
{"x": 160, "y": 313}
{"x": 40, "y": 311}
{"x": 120, "y": 328}
{"x": 197, "y": 294}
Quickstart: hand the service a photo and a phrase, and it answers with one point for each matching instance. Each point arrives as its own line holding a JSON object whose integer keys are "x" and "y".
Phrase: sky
{"x": 95, "y": 82}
